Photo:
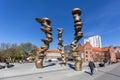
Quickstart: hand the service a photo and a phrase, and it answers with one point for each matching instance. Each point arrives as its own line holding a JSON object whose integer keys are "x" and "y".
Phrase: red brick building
{"x": 87, "y": 52}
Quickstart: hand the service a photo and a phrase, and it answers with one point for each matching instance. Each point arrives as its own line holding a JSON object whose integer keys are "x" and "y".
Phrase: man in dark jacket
{"x": 91, "y": 66}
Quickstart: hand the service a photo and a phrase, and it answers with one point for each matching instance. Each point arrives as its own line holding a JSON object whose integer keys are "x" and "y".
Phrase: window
{"x": 90, "y": 52}
{"x": 86, "y": 59}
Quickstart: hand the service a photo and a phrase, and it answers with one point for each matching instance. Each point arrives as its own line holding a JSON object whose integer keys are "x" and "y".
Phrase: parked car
{"x": 101, "y": 64}
{"x": 2, "y": 67}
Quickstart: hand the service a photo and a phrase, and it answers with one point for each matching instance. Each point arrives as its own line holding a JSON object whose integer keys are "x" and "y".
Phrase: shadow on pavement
{"x": 52, "y": 64}
{"x": 87, "y": 72}
{"x": 71, "y": 66}
{"x": 40, "y": 77}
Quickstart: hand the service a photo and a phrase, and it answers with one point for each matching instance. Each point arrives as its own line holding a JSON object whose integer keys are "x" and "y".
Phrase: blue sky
{"x": 99, "y": 17}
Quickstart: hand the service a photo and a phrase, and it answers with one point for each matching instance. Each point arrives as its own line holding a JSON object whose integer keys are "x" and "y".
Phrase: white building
{"x": 95, "y": 41}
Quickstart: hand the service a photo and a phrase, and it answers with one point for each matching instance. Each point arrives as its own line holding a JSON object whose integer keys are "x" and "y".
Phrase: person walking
{"x": 91, "y": 66}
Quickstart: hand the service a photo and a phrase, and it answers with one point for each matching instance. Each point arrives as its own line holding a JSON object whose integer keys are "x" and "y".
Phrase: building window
{"x": 86, "y": 59}
{"x": 90, "y": 52}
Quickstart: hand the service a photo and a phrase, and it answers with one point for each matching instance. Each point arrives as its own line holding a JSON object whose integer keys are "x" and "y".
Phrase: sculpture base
{"x": 63, "y": 64}
{"x": 78, "y": 64}
{"x": 78, "y": 69}
{"x": 39, "y": 63}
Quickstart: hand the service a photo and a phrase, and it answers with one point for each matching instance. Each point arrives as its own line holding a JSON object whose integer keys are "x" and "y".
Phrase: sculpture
{"x": 48, "y": 32}
{"x": 60, "y": 46}
{"x": 78, "y": 35}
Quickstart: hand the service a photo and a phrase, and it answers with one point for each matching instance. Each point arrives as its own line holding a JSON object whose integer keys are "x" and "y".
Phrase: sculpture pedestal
{"x": 63, "y": 64}
{"x": 78, "y": 64}
{"x": 39, "y": 63}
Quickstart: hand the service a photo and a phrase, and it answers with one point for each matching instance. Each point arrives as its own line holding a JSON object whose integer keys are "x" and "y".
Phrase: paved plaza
{"x": 53, "y": 71}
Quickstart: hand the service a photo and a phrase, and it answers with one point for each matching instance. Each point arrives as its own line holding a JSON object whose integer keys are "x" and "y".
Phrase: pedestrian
{"x": 91, "y": 66}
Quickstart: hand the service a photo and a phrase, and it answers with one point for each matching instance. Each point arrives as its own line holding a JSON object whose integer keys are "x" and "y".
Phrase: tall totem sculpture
{"x": 60, "y": 46}
{"x": 48, "y": 32}
{"x": 78, "y": 35}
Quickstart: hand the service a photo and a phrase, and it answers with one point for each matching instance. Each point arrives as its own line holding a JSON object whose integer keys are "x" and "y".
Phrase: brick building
{"x": 87, "y": 52}
{"x": 117, "y": 52}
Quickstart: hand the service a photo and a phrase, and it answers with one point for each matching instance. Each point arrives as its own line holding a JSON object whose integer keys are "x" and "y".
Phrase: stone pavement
{"x": 52, "y": 71}
{"x": 111, "y": 72}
